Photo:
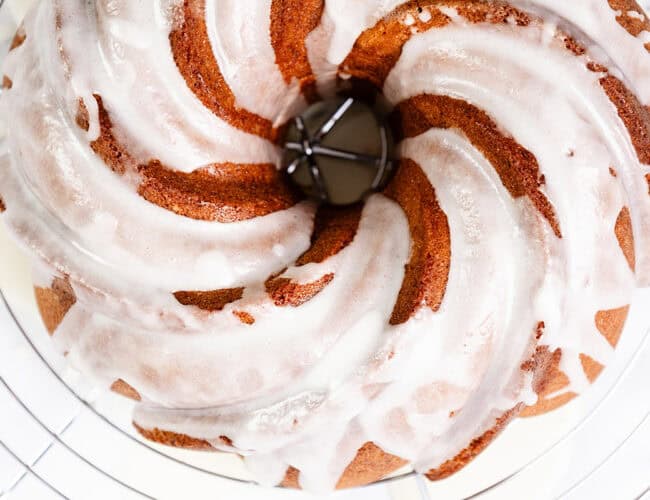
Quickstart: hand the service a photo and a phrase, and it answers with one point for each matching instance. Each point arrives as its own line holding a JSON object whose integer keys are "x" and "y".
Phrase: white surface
{"x": 70, "y": 447}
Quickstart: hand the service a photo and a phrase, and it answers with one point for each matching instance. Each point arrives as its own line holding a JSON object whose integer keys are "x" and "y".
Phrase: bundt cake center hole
{"x": 338, "y": 151}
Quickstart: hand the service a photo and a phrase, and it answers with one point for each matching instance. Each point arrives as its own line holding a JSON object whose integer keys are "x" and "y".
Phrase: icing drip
{"x": 178, "y": 267}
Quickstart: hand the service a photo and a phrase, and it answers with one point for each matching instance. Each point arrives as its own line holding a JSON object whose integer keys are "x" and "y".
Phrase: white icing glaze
{"x": 307, "y": 386}
{"x": 349, "y": 20}
{"x": 571, "y": 278}
{"x": 635, "y": 15}
{"x": 598, "y": 21}
{"x": 240, "y": 33}
{"x": 195, "y": 254}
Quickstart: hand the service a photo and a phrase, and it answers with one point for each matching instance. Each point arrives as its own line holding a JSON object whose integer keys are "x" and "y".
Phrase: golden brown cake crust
{"x": 591, "y": 367}
{"x": 611, "y": 323}
{"x": 549, "y": 379}
{"x": 106, "y": 146}
{"x": 55, "y": 302}
{"x": 245, "y": 317}
{"x": 334, "y": 229}
{"x": 291, "y": 23}
{"x": 623, "y": 231}
{"x": 215, "y": 300}
{"x": 175, "y": 440}
{"x": 378, "y": 49}
{"x": 516, "y": 166}
{"x": 285, "y": 292}
{"x": 197, "y": 64}
{"x": 634, "y": 24}
{"x": 124, "y": 389}
{"x": 634, "y": 115}
{"x": 223, "y": 192}
{"x": 475, "y": 447}
{"x": 291, "y": 479}
{"x": 369, "y": 465}
{"x": 427, "y": 272}
{"x": 18, "y": 39}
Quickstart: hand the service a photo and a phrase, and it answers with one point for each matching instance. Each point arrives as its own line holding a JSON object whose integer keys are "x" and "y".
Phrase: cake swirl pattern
{"x": 330, "y": 346}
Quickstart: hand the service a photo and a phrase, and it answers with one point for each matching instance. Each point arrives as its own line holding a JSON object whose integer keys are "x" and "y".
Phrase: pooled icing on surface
{"x": 318, "y": 368}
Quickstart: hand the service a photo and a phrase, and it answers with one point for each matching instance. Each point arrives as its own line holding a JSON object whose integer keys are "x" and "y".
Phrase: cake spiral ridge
{"x": 175, "y": 262}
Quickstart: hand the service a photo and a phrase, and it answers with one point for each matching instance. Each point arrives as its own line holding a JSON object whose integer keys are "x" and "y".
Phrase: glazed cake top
{"x": 143, "y": 174}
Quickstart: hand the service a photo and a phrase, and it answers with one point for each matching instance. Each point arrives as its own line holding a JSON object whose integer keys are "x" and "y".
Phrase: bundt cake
{"x": 176, "y": 263}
